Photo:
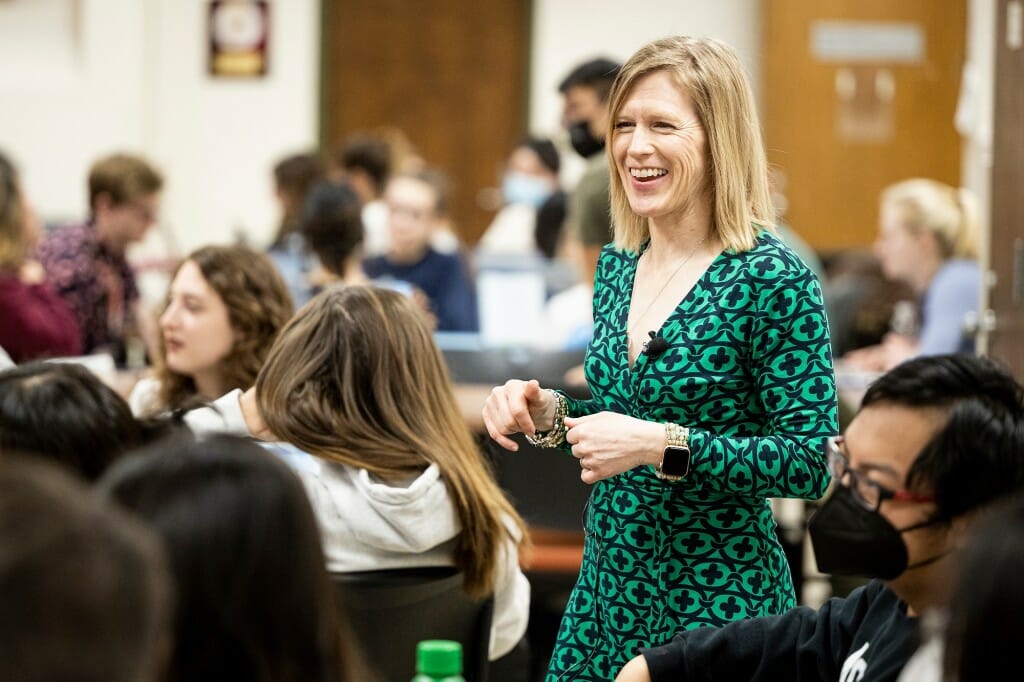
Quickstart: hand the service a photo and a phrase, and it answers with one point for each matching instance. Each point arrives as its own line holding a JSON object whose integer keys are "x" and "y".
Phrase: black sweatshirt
{"x": 866, "y": 637}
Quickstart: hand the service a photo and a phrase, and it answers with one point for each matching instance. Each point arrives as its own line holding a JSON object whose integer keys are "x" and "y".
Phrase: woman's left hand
{"x": 607, "y": 443}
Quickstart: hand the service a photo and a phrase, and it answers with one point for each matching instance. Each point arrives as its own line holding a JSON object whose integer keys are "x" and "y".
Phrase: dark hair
{"x": 983, "y": 636}
{"x": 545, "y": 150}
{"x": 369, "y": 154}
{"x": 977, "y": 456}
{"x": 294, "y": 175}
{"x": 598, "y": 74}
{"x": 255, "y": 602}
{"x": 332, "y": 224}
{"x": 64, "y": 412}
{"x": 86, "y": 592}
{"x": 547, "y": 232}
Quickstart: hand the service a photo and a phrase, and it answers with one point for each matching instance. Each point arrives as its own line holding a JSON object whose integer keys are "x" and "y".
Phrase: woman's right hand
{"x": 518, "y": 407}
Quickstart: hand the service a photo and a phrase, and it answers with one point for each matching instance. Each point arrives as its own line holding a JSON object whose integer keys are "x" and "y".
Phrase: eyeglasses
{"x": 869, "y": 493}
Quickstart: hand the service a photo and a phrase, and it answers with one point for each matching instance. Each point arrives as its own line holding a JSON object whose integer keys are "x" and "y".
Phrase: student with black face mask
{"x": 585, "y": 115}
{"x": 936, "y": 440}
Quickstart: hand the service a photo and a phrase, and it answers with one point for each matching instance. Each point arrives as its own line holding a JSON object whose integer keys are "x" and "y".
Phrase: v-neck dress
{"x": 748, "y": 370}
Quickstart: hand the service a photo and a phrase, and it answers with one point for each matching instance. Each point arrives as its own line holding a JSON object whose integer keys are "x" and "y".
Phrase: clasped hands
{"x": 605, "y": 443}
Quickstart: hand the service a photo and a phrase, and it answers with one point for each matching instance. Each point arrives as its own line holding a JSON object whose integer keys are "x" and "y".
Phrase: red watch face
{"x": 675, "y": 461}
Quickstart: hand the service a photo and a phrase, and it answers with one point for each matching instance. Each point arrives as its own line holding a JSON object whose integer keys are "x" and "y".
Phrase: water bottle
{"x": 438, "y": 660}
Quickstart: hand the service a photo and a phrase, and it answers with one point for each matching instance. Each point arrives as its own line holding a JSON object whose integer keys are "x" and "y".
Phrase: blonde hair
{"x": 13, "y": 244}
{"x": 258, "y": 304}
{"x": 709, "y": 72}
{"x": 949, "y": 213}
{"x": 356, "y": 378}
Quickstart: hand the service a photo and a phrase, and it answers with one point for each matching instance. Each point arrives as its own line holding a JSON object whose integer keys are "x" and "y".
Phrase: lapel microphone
{"x": 656, "y": 346}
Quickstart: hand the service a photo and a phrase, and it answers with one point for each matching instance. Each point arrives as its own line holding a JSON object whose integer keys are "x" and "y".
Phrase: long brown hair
{"x": 258, "y": 305}
{"x": 13, "y": 245}
{"x": 356, "y": 378}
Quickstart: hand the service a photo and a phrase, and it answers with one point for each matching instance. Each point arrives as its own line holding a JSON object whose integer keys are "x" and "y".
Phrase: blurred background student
{"x": 87, "y": 264}
{"x": 224, "y": 309}
{"x": 928, "y": 238}
{"x": 34, "y": 321}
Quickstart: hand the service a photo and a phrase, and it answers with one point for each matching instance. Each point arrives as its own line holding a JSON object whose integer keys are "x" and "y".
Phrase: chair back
{"x": 391, "y": 611}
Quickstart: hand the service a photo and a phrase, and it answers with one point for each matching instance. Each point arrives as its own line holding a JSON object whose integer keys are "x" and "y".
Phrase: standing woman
{"x": 710, "y": 370}
{"x": 34, "y": 321}
{"x": 225, "y": 307}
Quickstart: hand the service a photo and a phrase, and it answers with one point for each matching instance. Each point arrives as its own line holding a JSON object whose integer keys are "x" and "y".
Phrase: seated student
{"x": 332, "y": 225}
{"x": 64, "y": 413}
{"x": 530, "y": 182}
{"x": 358, "y": 392}
{"x": 87, "y": 264}
{"x": 225, "y": 306}
{"x": 294, "y": 176}
{"x": 928, "y": 238}
{"x": 254, "y": 600}
{"x": 86, "y": 589}
{"x": 937, "y": 440}
{"x": 34, "y": 321}
{"x": 363, "y": 161}
{"x": 417, "y": 204}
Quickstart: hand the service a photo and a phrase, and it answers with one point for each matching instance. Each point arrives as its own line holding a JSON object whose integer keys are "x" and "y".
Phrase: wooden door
{"x": 451, "y": 74}
{"x": 1006, "y": 255}
{"x": 849, "y": 109}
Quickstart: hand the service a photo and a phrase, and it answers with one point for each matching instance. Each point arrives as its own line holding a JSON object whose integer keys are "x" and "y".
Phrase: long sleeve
{"x": 801, "y": 644}
{"x": 35, "y": 322}
{"x": 790, "y": 363}
{"x": 455, "y": 301}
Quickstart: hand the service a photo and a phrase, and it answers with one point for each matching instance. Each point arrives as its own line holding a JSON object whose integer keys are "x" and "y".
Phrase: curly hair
{"x": 258, "y": 306}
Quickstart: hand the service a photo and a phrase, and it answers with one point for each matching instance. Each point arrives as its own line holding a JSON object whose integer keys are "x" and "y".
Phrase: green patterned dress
{"x": 749, "y": 371}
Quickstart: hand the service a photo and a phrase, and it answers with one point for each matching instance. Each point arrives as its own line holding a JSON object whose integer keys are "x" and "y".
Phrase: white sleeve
{"x": 511, "y": 603}
{"x": 223, "y": 415}
{"x": 144, "y": 396}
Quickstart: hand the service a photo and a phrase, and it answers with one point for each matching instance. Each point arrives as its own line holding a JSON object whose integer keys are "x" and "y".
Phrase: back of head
{"x": 124, "y": 178}
{"x": 63, "y": 412}
{"x": 711, "y": 74}
{"x": 295, "y": 174}
{"x": 983, "y": 636}
{"x": 369, "y": 154}
{"x": 949, "y": 213}
{"x": 977, "y": 456}
{"x": 13, "y": 246}
{"x": 86, "y": 595}
{"x": 598, "y": 74}
{"x": 258, "y": 304}
{"x": 545, "y": 150}
{"x": 332, "y": 224}
{"x": 255, "y": 602}
{"x": 356, "y": 378}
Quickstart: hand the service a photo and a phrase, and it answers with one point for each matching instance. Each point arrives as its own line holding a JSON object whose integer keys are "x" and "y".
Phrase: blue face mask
{"x": 520, "y": 188}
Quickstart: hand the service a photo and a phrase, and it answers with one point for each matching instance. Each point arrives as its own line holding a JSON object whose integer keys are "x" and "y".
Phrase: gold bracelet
{"x": 555, "y": 436}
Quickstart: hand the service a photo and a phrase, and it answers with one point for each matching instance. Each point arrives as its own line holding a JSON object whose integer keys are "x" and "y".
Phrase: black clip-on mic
{"x": 656, "y": 346}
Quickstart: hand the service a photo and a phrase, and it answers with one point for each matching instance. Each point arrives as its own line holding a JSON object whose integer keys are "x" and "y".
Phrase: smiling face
{"x": 660, "y": 150}
{"x": 196, "y": 329}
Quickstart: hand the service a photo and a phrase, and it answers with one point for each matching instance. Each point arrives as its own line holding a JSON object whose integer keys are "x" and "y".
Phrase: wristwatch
{"x": 675, "y": 460}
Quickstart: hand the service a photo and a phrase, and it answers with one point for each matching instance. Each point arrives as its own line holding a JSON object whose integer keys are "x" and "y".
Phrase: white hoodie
{"x": 367, "y": 524}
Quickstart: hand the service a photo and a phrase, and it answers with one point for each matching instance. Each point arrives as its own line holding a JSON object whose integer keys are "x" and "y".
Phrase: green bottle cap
{"x": 439, "y": 658}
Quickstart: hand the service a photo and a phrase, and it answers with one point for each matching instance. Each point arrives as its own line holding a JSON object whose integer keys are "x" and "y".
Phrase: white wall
{"x": 94, "y": 76}
{"x": 567, "y": 32}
